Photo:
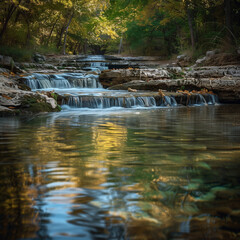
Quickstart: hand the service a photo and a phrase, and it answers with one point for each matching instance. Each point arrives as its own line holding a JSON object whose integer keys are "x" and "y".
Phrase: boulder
{"x": 7, "y": 62}
{"x": 200, "y": 61}
{"x": 113, "y": 77}
{"x": 15, "y": 99}
{"x": 4, "y": 70}
{"x": 38, "y": 58}
{"x": 210, "y": 54}
{"x": 183, "y": 60}
{"x": 51, "y": 101}
{"x": 181, "y": 57}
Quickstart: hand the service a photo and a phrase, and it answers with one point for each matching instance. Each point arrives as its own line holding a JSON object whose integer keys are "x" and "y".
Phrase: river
{"x": 118, "y": 165}
{"x": 158, "y": 173}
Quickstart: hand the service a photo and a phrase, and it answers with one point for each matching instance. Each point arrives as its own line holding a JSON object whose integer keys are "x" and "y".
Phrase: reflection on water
{"x": 139, "y": 174}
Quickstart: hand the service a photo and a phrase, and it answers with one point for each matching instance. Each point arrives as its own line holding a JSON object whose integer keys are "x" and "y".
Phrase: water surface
{"x": 170, "y": 173}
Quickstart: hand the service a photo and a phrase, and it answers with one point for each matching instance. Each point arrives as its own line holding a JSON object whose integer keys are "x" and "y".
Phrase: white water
{"x": 84, "y": 91}
{"x": 62, "y": 81}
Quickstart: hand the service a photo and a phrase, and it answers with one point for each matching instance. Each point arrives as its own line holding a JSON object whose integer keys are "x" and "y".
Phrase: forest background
{"x": 127, "y": 27}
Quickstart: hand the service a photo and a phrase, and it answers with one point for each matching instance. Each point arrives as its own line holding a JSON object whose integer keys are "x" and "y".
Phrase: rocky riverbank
{"x": 16, "y": 98}
{"x": 117, "y": 73}
{"x": 222, "y": 80}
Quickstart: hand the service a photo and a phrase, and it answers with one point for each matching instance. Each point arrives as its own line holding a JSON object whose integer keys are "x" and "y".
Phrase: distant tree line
{"x": 146, "y": 27}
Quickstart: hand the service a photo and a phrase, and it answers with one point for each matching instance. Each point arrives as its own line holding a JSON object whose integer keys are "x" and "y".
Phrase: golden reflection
{"x": 66, "y": 159}
{"x": 109, "y": 138}
{"x": 47, "y": 143}
{"x": 17, "y": 202}
{"x": 108, "y": 141}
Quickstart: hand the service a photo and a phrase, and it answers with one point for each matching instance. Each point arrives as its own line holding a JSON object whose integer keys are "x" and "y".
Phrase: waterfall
{"x": 62, "y": 81}
{"x": 200, "y": 100}
{"x": 211, "y": 99}
{"x": 169, "y": 101}
{"x": 83, "y": 90}
{"x": 101, "y": 102}
{"x": 94, "y": 63}
{"x": 98, "y": 65}
{"x": 196, "y": 99}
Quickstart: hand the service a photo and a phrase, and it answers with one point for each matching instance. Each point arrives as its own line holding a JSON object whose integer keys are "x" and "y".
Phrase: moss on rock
{"x": 36, "y": 104}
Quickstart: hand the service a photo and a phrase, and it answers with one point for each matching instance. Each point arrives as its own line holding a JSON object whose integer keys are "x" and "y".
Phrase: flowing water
{"x": 118, "y": 165}
{"x": 169, "y": 173}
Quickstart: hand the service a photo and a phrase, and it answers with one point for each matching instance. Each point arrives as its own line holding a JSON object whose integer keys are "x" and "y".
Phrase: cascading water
{"x": 169, "y": 101}
{"x": 211, "y": 99}
{"x": 62, "y": 81}
{"x": 200, "y": 100}
{"x": 94, "y": 63}
{"x": 83, "y": 90}
{"x": 101, "y": 102}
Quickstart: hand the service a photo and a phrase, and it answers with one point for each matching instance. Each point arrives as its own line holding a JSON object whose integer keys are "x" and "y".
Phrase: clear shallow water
{"x": 169, "y": 173}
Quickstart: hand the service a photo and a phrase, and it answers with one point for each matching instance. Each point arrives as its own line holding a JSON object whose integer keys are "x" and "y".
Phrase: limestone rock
{"x": 38, "y": 58}
{"x": 51, "y": 101}
{"x": 7, "y": 62}
{"x": 225, "y": 80}
{"x": 17, "y": 100}
{"x": 113, "y": 77}
{"x": 181, "y": 57}
{"x": 4, "y": 70}
{"x": 183, "y": 60}
{"x": 210, "y": 54}
{"x": 200, "y": 61}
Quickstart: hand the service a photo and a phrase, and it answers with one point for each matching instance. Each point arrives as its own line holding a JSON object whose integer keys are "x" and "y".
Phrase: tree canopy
{"x": 146, "y": 27}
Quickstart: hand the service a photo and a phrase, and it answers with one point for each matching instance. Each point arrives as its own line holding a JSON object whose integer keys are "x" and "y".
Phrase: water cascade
{"x": 211, "y": 99}
{"x": 62, "y": 81}
{"x": 94, "y": 63}
{"x": 109, "y": 101}
{"x": 197, "y": 99}
{"x": 169, "y": 101}
{"x": 83, "y": 90}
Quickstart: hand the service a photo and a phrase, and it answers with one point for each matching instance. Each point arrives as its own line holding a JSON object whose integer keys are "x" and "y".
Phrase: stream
{"x": 119, "y": 165}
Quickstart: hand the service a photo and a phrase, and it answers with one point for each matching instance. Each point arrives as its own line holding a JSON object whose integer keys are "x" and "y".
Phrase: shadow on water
{"x": 130, "y": 174}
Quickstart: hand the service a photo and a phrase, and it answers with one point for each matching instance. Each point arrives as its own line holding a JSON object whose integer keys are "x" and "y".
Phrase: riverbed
{"x": 157, "y": 173}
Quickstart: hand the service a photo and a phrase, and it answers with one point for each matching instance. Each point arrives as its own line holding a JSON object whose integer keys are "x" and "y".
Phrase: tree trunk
{"x": 28, "y": 33}
{"x": 11, "y": 10}
{"x": 120, "y": 46}
{"x": 65, "y": 37}
{"x": 85, "y": 46}
{"x": 190, "y": 17}
{"x": 60, "y": 36}
{"x": 49, "y": 37}
{"x": 75, "y": 49}
{"x": 228, "y": 18}
{"x": 190, "y": 24}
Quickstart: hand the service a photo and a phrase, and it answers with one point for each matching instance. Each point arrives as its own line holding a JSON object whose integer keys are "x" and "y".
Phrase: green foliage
{"x": 149, "y": 37}
{"x": 47, "y": 49}
{"x": 18, "y": 54}
{"x": 146, "y": 26}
